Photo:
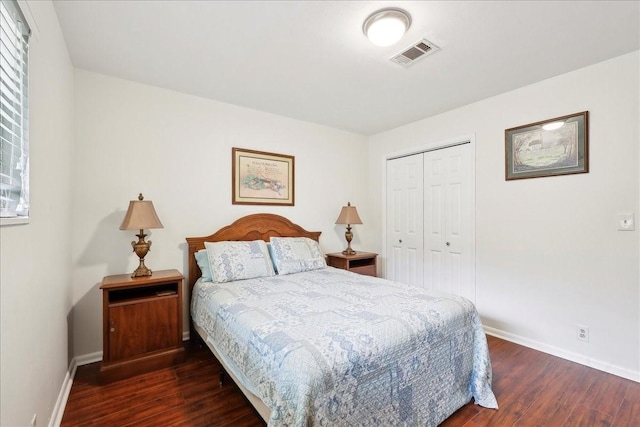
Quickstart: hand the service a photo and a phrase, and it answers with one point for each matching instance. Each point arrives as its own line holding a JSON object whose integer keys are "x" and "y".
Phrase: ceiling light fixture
{"x": 386, "y": 26}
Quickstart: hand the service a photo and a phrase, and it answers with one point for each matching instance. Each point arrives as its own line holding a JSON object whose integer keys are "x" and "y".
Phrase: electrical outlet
{"x": 33, "y": 420}
{"x": 582, "y": 333}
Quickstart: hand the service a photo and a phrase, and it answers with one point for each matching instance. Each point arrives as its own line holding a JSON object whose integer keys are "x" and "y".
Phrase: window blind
{"x": 14, "y": 111}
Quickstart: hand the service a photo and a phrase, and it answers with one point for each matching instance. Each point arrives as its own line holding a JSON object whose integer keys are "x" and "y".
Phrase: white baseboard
{"x": 88, "y": 358}
{"x": 573, "y": 357}
{"x": 63, "y": 396}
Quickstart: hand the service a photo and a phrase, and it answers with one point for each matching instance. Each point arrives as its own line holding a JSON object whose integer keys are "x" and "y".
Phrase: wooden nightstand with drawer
{"x": 361, "y": 262}
{"x": 142, "y": 323}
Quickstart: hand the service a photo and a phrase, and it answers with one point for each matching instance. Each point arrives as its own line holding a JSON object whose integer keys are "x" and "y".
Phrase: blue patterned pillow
{"x": 203, "y": 262}
{"x": 238, "y": 260}
{"x": 296, "y": 254}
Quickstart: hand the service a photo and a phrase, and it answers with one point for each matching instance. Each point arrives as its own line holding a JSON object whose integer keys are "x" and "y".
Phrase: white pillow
{"x": 296, "y": 254}
{"x": 238, "y": 260}
{"x": 202, "y": 259}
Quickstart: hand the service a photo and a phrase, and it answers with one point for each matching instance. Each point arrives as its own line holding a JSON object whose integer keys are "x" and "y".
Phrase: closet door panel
{"x": 405, "y": 220}
{"x": 435, "y": 200}
{"x": 448, "y": 234}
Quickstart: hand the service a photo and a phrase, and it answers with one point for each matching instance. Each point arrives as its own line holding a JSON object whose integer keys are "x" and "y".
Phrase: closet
{"x": 430, "y": 202}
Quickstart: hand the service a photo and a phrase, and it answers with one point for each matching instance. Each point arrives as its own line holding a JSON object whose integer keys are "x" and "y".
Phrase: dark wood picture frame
{"x": 262, "y": 178}
{"x": 539, "y": 149}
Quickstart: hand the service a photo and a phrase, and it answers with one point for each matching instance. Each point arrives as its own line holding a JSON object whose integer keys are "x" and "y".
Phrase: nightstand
{"x": 142, "y": 323}
{"x": 361, "y": 262}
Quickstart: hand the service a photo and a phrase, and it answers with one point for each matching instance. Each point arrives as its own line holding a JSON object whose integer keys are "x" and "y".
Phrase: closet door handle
{"x": 448, "y": 244}
{"x": 400, "y": 241}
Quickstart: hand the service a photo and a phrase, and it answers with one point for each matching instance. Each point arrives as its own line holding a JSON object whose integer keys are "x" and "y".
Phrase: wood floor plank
{"x": 137, "y": 413}
{"x": 606, "y": 393}
{"x": 143, "y": 394}
{"x": 116, "y": 390}
{"x": 463, "y": 415}
{"x": 546, "y": 414}
{"x": 532, "y": 389}
{"x": 629, "y": 412}
{"x": 584, "y": 415}
{"x": 563, "y": 385}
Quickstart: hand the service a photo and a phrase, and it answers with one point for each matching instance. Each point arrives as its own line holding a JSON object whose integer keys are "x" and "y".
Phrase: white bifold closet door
{"x": 405, "y": 219}
{"x": 430, "y": 220}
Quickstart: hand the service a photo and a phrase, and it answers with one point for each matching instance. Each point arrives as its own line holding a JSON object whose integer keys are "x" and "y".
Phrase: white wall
{"x": 35, "y": 257}
{"x": 176, "y": 150}
{"x": 548, "y": 255}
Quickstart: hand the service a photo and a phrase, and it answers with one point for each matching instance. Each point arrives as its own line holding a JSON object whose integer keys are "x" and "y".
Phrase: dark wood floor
{"x": 532, "y": 388}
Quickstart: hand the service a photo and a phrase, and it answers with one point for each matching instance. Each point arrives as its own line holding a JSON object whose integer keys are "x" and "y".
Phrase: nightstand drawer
{"x": 361, "y": 262}
{"x": 369, "y": 270}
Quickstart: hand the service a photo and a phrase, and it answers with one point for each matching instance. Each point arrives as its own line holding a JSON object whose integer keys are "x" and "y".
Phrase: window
{"x": 14, "y": 111}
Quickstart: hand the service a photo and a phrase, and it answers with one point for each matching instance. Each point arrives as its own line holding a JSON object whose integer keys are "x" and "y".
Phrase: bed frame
{"x": 259, "y": 226}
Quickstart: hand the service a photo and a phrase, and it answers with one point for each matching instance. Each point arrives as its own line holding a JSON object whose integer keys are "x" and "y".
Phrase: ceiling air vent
{"x": 417, "y": 51}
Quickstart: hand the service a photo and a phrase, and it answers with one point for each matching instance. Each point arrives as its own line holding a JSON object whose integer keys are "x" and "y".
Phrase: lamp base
{"x": 141, "y": 248}
{"x": 348, "y": 235}
{"x": 141, "y": 271}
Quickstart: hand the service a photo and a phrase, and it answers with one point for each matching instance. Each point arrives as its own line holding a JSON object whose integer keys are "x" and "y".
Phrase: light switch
{"x": 626, "y": 222}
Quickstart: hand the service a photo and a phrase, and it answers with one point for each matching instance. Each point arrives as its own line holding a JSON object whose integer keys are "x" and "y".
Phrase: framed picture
{"x": 558, "y": 146}
{"x": 261, "y": 178}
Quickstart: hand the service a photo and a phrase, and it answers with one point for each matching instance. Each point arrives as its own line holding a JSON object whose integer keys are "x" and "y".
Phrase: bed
{"x": 315, "y": 345}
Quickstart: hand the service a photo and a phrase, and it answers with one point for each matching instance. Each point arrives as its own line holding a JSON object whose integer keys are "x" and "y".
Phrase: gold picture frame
{"x": 262, "y": 178}
{"x": 558, "y": 146}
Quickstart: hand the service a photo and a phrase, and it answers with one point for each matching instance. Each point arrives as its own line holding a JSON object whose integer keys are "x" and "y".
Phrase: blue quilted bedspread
{"x": 329, "y": 347}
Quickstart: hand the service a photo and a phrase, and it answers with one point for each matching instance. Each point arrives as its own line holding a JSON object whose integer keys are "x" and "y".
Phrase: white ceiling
{"x": 309, "y": 60}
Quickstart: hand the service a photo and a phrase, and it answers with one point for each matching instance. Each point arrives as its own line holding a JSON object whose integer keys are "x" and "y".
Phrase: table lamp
{"x": 348, "y": 215}
{"x": 140, "y": 216}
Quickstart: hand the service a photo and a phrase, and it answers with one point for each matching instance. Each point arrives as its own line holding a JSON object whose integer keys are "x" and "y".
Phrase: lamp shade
{"x": 141, "y": 215}
{"x": 349, "y": 215}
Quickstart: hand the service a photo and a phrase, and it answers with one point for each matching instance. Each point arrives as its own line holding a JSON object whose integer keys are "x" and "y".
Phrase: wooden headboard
{"x": 259, "y": 226}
